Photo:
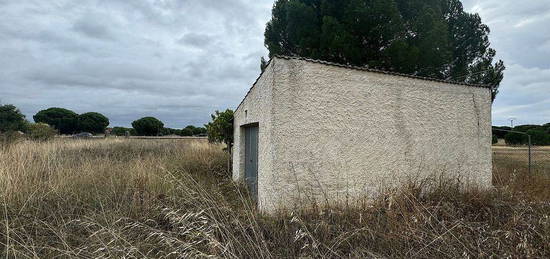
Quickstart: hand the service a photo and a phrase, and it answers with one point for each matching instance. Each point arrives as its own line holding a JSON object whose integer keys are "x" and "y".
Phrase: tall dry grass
{"x": 174, "y": 199}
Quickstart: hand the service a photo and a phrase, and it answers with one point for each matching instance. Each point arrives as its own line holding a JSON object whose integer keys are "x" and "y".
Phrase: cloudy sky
{"x": 179, "y": 60}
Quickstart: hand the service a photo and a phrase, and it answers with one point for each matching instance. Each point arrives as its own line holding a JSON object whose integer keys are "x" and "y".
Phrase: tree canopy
{"x": 221, "y": 128}
{"x": 65, "y": 121}
{"x": 11, "y": 119}
{"x": 433, "y": 38}
{"x": 194, "y": 130}
{"x": 540, "y": 134}
{"x": 539, "y": 137}
{"x": 92, "y": 122}
{"x": 186, "y": 132}
{"x": 148, "y": 126}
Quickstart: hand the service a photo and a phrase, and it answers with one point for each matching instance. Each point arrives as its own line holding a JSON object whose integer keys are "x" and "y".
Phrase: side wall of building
{"x": 255, "y": 109}
{"x": 339, "y": 133}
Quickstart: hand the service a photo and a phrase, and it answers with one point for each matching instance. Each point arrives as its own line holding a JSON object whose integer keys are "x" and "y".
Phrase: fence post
{"x": 529, "y": 144}
{"x": 529, "y": 138}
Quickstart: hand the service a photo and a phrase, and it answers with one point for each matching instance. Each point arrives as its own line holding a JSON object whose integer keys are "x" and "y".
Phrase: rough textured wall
{"x": 255, "y": 108}
{"x": 339, "y": 133}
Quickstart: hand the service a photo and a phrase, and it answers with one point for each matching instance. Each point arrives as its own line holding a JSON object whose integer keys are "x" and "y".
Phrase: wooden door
{"x": 251, "y": 157}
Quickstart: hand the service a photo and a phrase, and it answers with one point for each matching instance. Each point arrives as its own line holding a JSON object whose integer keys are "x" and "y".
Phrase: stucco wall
{"x": 255, "y": 108}
{"x": 335, "y": 133}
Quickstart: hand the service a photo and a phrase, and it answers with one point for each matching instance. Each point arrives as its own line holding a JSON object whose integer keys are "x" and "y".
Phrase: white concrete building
{"x": 314, "y": 131}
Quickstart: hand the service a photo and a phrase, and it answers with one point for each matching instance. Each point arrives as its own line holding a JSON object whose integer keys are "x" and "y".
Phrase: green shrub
{"x": 66, "y": 121}
{"x": 527, "y": 127}
{"x": 501, "y": 131}
{"x": 170, "y": 131}
{"x": 148, "y": 126}
{"x": 41, "y": 132}
{"x": 513, "y": 138}
{"x": 194, "y": 130}
{"x": 11, "y": 119}
{"x": 221, "y": 128}
{"x": 539, "y": 137}
{"x": 495, "y": 139}
{"x": 186, "y": 132}
{"x": 92, "y": 122}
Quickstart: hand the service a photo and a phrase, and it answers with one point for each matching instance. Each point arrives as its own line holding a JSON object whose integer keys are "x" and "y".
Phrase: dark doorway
{"x": 251, "y": 160}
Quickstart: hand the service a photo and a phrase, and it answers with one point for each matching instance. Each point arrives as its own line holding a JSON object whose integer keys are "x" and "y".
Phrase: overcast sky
{"x": 179, "y": 60}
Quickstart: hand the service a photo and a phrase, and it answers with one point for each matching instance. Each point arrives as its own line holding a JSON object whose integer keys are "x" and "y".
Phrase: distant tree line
{"x": 69, "y": 122}
{"x": 57, "y": 120}
{"x": 151, "y": 126}
{"x": 12, "y": 121}
{"x": 54, "y": 120}
{"x": 540, "y": 134}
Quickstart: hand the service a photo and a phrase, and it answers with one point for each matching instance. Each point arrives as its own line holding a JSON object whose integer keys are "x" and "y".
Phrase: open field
{"x": 516, "y": 160}
{"x": 541, "y": 154}
{"x": 137, "y": 198}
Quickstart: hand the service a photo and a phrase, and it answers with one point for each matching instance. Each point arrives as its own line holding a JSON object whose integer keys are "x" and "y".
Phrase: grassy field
{"x": 131, "y": 198}
{"x": 512, "y": 164}
{"x": 540, "y": 157}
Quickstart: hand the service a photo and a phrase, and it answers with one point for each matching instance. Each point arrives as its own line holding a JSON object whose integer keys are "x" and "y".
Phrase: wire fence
{"x": 520, "y": 157}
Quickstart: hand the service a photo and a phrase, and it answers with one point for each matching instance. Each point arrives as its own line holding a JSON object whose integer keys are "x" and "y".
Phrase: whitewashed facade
{"x": 327, "y": 132}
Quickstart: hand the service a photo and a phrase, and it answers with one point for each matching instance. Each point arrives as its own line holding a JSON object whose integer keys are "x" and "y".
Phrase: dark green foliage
{"x": 120, "y": 131}
{"x": 525, "y": 128}
{"x": 434, "y": 38}
{"x": 539, "y": 137}
{"x": 92, "y": 122}
{"x": 148, "y": 126}
{"x": 186, "y": 132}
{"x": 500, "y": 132}
{"x": 495, "y": 139}
{"x": 191, "y": 128}
{"x": 199, "y": 131}
{"x": 11, "y": 119}
{"x": 169, "y": 131}
{"x": 164, "y": 132}
{"x": 65, "y": 121}
{"x": 69, "y": 122}
{"x": 194, "y": 130}
{"x": 221, "y": 128}
{"x": 513, "y": 138}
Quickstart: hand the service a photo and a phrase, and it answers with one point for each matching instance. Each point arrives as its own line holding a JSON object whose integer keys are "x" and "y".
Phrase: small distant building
{"x": 311, "y": 130}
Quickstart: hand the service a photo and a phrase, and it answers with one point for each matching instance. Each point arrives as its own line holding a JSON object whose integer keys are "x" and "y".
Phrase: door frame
{"x": 245, "y": 128}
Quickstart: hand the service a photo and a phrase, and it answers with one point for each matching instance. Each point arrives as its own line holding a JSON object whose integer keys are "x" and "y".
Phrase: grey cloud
{"x": 517, "y": 30}
{"x": 196, "y": 40}
{"x": 121, "y": 58}
{"x": 179, "y": 60}
{"x": 520, "y": 34}
{"x": 93, "y": 29}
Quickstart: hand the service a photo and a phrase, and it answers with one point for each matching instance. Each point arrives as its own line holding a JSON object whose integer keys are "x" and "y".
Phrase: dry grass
{"x": 511, "y": 170}
{"x": 174, "y": 199}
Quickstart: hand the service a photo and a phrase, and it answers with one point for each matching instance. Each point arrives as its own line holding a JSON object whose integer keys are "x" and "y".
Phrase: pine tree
{"x": 434, "y": 38}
